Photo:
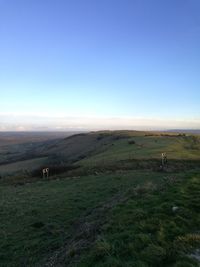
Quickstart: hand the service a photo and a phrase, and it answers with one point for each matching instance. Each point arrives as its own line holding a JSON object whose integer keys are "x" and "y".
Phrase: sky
{"x": 99, "y": 64}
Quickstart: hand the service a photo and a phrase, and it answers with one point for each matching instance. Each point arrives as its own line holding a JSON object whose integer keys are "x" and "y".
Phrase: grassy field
{"x": 43, "y": 213}
{"x": 149, "y": 147}
{"x": 145, "y": 231}
{"x": 141, "y": 151}
{"x": 129, "y": 215}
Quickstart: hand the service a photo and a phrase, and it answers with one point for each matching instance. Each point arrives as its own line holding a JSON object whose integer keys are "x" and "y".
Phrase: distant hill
{"x": 10, "y": 138}
{"x": 191, "y": 131}
{"x": 102, "y": 150}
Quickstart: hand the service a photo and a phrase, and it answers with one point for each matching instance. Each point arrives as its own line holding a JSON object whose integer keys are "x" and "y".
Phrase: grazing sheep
{"x": 45, "y": 172}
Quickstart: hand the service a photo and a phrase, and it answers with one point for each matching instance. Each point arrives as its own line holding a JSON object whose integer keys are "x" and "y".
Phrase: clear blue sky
{"x": 100, "y": 58}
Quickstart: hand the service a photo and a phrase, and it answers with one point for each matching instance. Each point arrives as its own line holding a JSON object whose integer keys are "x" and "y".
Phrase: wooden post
{"x": 47, "y": 171}
{"x": 164, "y": 159}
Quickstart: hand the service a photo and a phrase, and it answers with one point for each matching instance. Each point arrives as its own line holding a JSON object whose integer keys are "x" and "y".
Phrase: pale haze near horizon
{"x": 91, "y": 65}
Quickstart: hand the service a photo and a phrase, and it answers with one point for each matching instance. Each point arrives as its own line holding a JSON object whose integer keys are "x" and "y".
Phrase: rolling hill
{"x": 107, "y": 201}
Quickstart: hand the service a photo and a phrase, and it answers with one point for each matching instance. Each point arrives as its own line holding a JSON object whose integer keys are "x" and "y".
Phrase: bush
{"x": 132, "y": 142}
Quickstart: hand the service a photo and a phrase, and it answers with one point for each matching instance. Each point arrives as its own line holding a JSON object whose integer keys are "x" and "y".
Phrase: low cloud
{"x": 13, "y": 122}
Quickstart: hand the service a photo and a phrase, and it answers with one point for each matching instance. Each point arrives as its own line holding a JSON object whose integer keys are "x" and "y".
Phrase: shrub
{"x": 132, "y": 142}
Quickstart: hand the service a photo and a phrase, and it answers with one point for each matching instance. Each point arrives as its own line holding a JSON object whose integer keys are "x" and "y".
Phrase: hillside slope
{"x": 117, "y": 208}
{"x": 106, "y": 150}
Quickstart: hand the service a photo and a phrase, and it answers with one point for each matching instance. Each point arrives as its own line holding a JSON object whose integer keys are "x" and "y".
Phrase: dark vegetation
{"x": 131, "y": 142}
{"x": 106, "y": 202}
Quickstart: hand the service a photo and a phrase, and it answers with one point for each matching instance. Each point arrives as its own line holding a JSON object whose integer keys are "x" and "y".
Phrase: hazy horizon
{"x": 49, "y": 123}
{"x": 93, "y": 65}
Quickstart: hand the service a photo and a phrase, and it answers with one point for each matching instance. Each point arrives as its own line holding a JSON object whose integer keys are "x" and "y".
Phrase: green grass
{"x": 147, "y": 147}
{"x": 120, "y": 216}
{"x": 37, "y": 218}
{"x": 144, "y": 231}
